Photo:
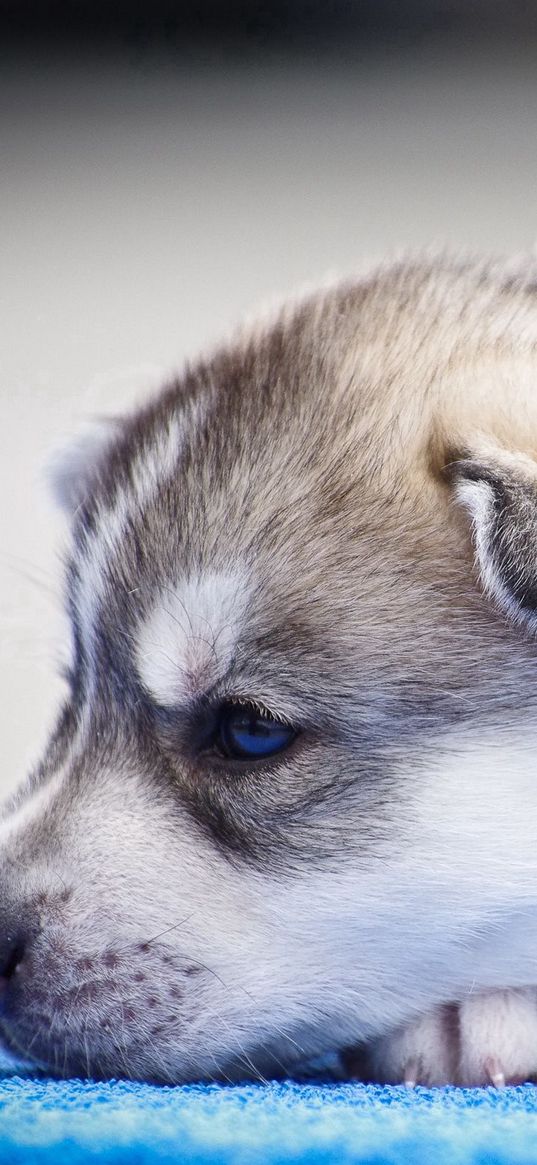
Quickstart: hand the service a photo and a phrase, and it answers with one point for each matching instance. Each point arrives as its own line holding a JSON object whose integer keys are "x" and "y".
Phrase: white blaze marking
{"x": 152, "y": 467}
{"x": 188, "y": 640}
{"x": 33, "y": 807}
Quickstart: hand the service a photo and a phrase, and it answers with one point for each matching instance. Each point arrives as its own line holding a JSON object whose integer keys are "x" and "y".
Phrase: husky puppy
{"x": 290, "y": 803}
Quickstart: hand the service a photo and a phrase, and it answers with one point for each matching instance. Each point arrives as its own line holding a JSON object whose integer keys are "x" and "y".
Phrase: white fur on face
{"x": 15, "y": 819}
{"x": 474, "y": 849}
{"x": 334, "y": 955}
{"x": 188, "y": 641}
{"x": 149, "y": 472}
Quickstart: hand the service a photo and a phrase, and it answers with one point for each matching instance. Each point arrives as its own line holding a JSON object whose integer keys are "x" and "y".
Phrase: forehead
{"x": 247, "y": 519}
{"x": 212, "y": 514}
{"x": 187, "y": 640}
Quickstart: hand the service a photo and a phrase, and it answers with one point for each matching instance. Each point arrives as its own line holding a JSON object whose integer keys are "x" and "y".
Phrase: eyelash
{"x": 255, "y": 706}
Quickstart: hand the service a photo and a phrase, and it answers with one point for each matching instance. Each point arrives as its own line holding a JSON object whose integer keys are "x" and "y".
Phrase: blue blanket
{"x": 51, "y": 1122}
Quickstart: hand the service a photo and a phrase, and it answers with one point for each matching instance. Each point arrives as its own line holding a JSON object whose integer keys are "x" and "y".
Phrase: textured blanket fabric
{"x": 47, "y": 1121}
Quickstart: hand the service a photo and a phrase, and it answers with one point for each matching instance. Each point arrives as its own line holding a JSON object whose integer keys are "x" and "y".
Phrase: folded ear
{"x": 499, "y": 490}
{"x": 72, "y": 470}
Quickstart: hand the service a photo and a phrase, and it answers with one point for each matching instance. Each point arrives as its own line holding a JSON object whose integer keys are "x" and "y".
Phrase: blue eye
{"x": 245, "y": 732}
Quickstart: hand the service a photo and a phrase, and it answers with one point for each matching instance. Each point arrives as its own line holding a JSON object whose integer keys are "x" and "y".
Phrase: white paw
{"x": 490, "y": 1038}
{"x": 423, "y": 1052}
{"x": 498, "y": 1037}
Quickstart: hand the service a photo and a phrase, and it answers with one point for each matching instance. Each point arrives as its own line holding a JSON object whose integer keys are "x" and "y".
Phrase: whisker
{"x": 244, "y": 1054}
{"x": 147, "y": 942}
{"x": 157, "y": 646}
{"x": 275, "y": 1026}
{"x": 193, "y": 635}
{"x": 177, "y": 598}
{"x": 169, "y": 929}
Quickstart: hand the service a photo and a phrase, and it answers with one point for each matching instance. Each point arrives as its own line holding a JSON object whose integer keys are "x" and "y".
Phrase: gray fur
{"x": 183, "y": 916}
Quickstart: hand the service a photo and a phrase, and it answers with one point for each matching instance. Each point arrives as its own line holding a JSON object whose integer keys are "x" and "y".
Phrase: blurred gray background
{"x": 163, "y": 173}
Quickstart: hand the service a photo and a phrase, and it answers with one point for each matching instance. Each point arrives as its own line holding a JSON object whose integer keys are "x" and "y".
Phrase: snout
{"x": 30, "y": 963}
{"x": 125, "y": 952}
{"x": 72, "y": 1008}
{"x": 13, "y": 942}
{"x": 77, "y": 1008}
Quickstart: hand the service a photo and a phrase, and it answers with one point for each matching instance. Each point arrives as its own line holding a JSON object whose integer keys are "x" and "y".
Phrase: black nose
{"x": 12, "y": 945}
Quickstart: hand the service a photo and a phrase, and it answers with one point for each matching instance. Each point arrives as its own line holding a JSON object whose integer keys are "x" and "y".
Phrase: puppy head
{"x": 259, "y": 830}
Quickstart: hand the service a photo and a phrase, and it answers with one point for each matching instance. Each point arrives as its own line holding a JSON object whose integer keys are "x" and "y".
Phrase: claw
{"x": 410, "y": 1075}
{"x": 495, "y": 1072}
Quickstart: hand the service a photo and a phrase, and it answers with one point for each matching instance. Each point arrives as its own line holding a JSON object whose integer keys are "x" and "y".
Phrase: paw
{"x": 424, "y": 1052}
{"x": 498, "y": 1037}
{"x": 490, "y": 1038}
